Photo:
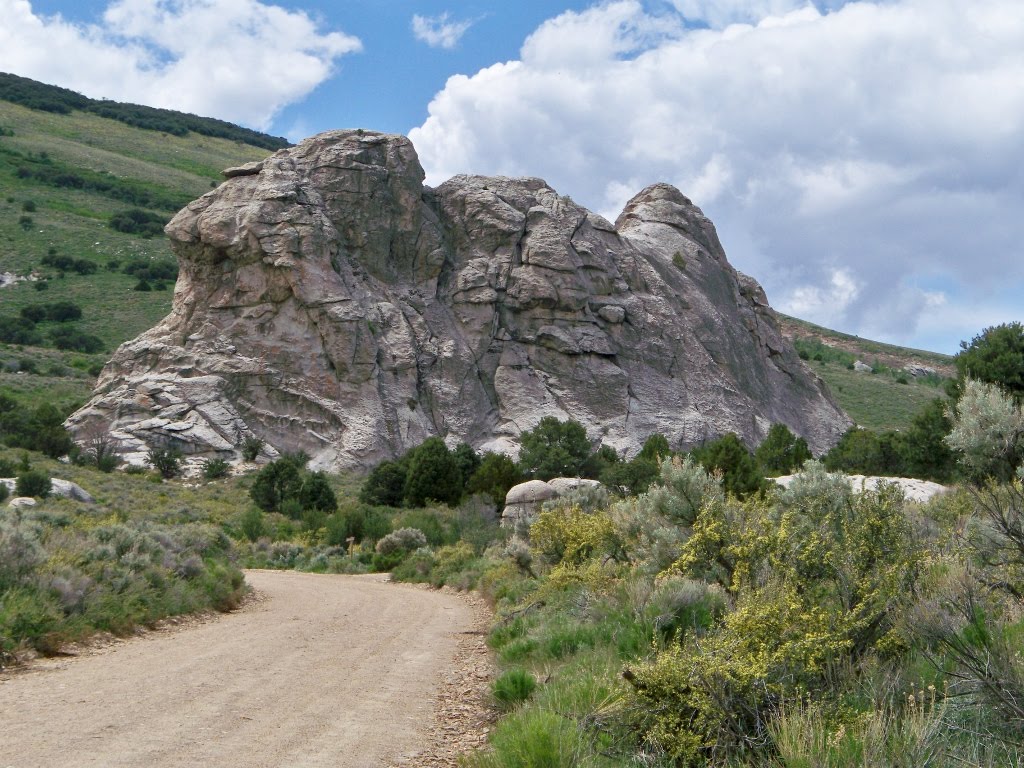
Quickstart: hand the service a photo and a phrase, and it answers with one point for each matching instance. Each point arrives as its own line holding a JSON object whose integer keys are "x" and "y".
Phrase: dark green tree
{"x": 33, "y": 482}
{"x": 433, "y": 474}
{"x": 655, "y": 448}
{"x": 599, "y": 462}
{"x": 554, "y": 449}
{"x": 635, "y": 476}
{"x": 316, "y": 493}
{"x": 727, "y": 455}
{"x": 47, "y": 432}
{"x": 781, "y": 452}
{"x": 467, "y": 459}
{"x": 278, "y": 482}
{"x": 166, "y": 461}
{"x": 996, "y": 356}
{"x": 385, "y": 485}
{"x": 495, "y": 476}
{"x": 926, "y": 453}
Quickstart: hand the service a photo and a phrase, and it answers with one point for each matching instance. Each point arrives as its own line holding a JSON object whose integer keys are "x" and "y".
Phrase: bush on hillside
{"x": 781, "y": 452}
{"x": 385, "y": 485}
{"x": 554, "y": 449}
{"x": 995, "y": 356}
{"x": 33, "y": 483}
{"x": 433, "y": 475}
{"x": 166, "y": 461}
{"x": 494, "y": 477}
{"x": 729, "y": 457}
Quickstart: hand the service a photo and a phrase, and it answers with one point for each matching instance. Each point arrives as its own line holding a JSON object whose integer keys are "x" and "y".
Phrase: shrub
{"x": 554, "y": 449}
{"x": 20, "y": 552}
{"x": 76, "y": 340}
{"x": 513, "y": 687}
{"x": 316, "y": 493}
{"x": 216, "y": 468}
{"x": 728, "y": 456}
{"x": 385, "y": 485}
{"x": 433, "y": 474}
{"x": 26, "y": 222}
{"x": 63, "y": 311}
{"x": 33, "y": 483}
{"x": 685, "y": 487}
{"x": 401, "y": 541}
{"x": 494, "y": 477}
{"x": 136, "y": 221}
{"x": 251, "y": 448}
{"x": 568, "y": 534}
{"x": 253, "y": 524}
{"x": 18, "y": 330}
{"x": 995, "y": 356}
{"x": 276, "y": 483}
{"x": 988, "y": 431}
{"x": 34, "y": 313}
{"x": 4, "y": 490}
{"x": 166, "y": 461}
{"x": 781, "y": 452}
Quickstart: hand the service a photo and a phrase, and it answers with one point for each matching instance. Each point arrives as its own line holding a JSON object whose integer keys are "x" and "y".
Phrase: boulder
{"x": 913, "y": 489}
{"x": 329, "y": 302}
{"x": 523, "y": 501}
{"x": 919, "y": 371}
{"x": 21, "y": 502}
{"x": 862, "y": 367}
{"x": 62, "y": 488}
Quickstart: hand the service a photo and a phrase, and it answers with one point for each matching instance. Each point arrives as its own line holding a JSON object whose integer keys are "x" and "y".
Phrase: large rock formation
{"x": 329, "y": 302}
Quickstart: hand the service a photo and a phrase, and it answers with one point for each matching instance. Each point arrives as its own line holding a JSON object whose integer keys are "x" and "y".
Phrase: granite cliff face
{"x": 329, "y": 302}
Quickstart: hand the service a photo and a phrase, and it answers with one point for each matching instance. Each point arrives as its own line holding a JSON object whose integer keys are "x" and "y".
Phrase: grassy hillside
{"x": 886, "y": 398}
{"x": 65, "y": 177}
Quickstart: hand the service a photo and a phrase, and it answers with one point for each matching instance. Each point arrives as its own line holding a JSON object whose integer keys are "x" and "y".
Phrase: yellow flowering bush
{"x": 568, "y": 534}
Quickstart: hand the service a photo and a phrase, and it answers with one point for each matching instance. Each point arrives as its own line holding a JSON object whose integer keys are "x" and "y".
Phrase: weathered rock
{"x": 862, "y": 367}
{"x": 564, "y": 485}
{"x": 919, "y": 371}
{"x": 21, "y": 502}
{"x": 913, "y": 489}
{"x": 523, "y": 501}
{"x": 329, "y": 302}
{"x": 62, "y": 488}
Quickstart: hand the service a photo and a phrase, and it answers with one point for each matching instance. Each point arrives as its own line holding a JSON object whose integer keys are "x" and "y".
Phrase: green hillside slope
{"x": 887, "y": 397}
{"x": 67, "y": 178}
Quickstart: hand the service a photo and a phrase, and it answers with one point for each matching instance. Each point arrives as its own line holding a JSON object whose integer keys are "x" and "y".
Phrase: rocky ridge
{"x": 330, "y": 302}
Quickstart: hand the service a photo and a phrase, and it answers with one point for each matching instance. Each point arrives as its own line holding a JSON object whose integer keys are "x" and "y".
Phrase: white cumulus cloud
{"x": 240, "y": 60}
{"x": 876, "y": 140}
{"x": 439, "y": 31}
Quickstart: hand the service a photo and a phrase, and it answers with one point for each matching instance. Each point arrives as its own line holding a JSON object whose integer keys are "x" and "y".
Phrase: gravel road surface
{"x": 316, "y": 670}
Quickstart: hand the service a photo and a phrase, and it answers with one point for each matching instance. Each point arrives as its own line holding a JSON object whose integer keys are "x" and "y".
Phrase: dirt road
{"x": 319, "y": 670}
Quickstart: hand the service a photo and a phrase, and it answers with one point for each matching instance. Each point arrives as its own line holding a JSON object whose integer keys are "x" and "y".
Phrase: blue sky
{"x": 861, "y": 159}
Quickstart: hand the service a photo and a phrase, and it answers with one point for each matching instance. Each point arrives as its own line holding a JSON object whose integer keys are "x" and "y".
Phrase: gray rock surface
{"x": 861, "y": 367}
{"x": 329, "y": 302}
{"x": 63, "y": 488}
{"x": 917, "y": 371}
{"x": 21, "y": 502}
{"x": 913, "y": 489}
{"x": 523, "y": 501}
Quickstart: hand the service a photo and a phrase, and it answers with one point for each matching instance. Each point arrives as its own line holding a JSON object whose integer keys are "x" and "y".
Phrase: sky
{"x": 863, "y": 159}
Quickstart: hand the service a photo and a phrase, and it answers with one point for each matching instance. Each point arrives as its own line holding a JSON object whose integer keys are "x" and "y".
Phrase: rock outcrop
{"x": 524, "y": 501}
{"x": 913, "y": 489}
{"x": 329, "y": 302}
